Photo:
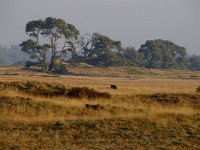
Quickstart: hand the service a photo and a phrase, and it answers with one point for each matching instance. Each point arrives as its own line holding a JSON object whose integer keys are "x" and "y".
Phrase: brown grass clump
{"x": 172, "y": 98}
{"x": 11, "y": 102}
{"x": 36, "y": 88}
{"x": 85, "y": 92}
{"x": 94, "y": 107}
{"x": 53, "y": 89}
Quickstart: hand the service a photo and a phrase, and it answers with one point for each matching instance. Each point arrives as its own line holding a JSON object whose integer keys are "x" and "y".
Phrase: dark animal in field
{"x": 112, "y": 86}
{"x": 94, "y": 107}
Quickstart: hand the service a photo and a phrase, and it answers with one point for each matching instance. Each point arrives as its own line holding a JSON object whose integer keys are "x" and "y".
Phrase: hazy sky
{"x": 131, "y": 21}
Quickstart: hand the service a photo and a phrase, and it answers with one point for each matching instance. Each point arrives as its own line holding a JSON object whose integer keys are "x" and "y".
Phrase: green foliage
{"x": 60, "y": 69}
{"x": 132, "y": 57}
{"x": 55, "y": 32}
{"x": 97, "y": 49}
{"x": 163, "y": 54}
{"x": 194, "y": 62}
{"x": 31, "y": 63}
{"x": 100, "y": 49}
{"x": 106, "y": 59}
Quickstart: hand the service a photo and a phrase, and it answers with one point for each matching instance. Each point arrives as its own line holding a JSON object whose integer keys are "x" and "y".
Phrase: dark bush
{"x": 31, "y": 63}
{"x": 85, "y": 92}
{"x": 60, "y": 69}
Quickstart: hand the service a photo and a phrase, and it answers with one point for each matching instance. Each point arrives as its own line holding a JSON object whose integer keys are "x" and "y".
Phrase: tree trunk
{"x": 52, "y": 63}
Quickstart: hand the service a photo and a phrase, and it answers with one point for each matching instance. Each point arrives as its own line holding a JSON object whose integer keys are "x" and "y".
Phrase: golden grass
{"x": 125, "y": 113}
{"x": 119, "y": 107}
{"x": 125, "y": 85}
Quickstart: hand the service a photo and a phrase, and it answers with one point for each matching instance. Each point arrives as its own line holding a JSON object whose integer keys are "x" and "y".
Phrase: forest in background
{"x": 53, "y": 40}
{"x": 14, "y": 56}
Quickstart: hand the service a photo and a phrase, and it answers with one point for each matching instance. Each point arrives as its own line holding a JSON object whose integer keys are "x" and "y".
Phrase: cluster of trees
{"x": 194, "y": 62}
{"x": 58, "y": 39}
{"x": 163, "y": 54}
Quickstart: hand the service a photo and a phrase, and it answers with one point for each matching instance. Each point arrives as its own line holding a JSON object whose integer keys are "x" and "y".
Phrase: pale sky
{"x": 131, "y": 21}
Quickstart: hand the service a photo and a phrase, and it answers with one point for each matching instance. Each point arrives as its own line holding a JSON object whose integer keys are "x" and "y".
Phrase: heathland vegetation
{"x": 111, "y": 98}
{"x": 150, "y": 109}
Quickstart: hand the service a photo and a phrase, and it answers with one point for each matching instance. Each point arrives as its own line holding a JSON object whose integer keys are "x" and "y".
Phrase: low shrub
{"x": 60, "y": 69}
{"x": 53, "y": 89}
{"x": 31, "y": 63}
{"x": 85, "y": 92}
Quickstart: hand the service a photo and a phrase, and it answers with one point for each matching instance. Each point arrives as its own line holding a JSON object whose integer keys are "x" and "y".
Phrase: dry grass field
{"x": 150, "y": 109}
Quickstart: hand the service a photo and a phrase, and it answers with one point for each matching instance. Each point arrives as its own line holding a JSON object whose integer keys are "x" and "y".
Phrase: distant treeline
{"x": 158, "y": 53}
{"x": 12, "y": 55}
{"x": 53, "y": 40}
{"x": 153, "y": 54}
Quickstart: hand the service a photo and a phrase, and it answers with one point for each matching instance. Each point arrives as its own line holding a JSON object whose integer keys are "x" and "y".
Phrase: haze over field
{"x": 131, "y": 21}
